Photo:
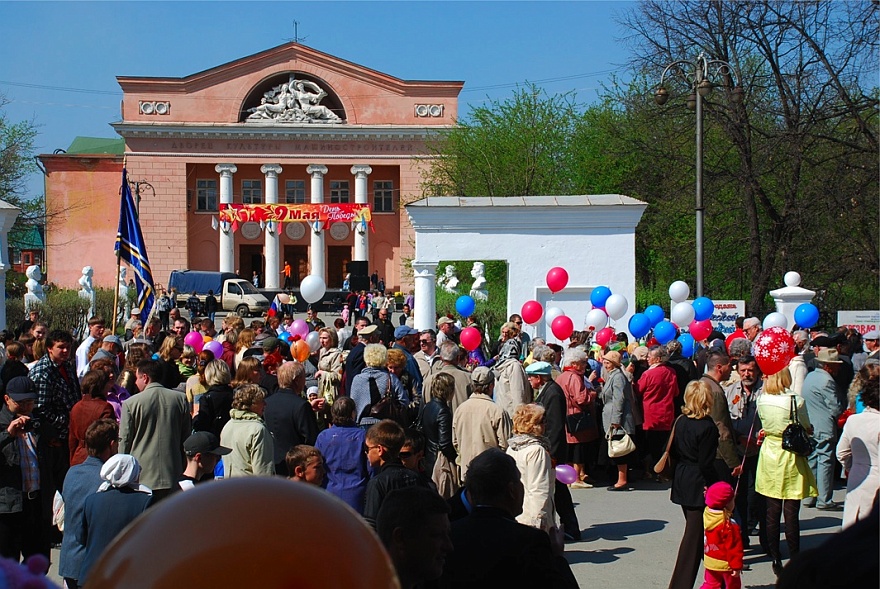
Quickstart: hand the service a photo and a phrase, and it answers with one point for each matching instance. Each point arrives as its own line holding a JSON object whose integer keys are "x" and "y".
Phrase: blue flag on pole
{"x": 130, "y": 246}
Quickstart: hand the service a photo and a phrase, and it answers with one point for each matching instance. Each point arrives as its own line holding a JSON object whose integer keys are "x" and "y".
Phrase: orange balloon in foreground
{"x": 269, "y": 533}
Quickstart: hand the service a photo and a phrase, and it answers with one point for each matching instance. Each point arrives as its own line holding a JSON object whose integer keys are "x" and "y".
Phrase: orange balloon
{"x": 300, "y": 350}
{"x": 247, "y": 532}
{"x": 207, "y": 338}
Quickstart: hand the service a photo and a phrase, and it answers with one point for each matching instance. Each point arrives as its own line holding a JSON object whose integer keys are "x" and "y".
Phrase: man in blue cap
{"x": 406, "y": 340}
{"x": 552, "y": 398}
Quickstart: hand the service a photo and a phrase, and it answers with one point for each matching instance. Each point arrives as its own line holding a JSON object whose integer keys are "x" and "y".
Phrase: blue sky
{"x": 73, "y": 51}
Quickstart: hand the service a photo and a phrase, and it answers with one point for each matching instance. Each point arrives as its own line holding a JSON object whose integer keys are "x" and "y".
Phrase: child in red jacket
{"x": 722, "y": 543}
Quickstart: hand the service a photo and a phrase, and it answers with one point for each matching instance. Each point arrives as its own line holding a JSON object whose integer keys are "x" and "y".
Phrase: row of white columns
{"x": 317, "y": 265}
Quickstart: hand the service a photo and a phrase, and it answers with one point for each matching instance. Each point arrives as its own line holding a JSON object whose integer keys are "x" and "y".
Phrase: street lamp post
{"x": 698, "y": 74}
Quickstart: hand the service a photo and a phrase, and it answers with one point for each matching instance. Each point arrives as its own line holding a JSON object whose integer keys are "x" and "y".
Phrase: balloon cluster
{"x": 470, "y": 337}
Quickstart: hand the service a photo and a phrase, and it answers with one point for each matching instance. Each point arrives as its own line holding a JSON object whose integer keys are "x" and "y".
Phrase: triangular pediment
{"x": 225, "y": 93}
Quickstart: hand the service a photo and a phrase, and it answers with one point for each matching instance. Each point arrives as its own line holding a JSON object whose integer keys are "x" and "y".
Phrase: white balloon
{"x": 596, "y": 319}
{"x": 775, "y": 319}
{"x": 616, "y": 306}
{"x": 679, "y": 291}
{"x": 312, "y": 288}
{"x": 682, "y": 314}
{"x": 314, "y": 341}
{"x": 552, "y": 313}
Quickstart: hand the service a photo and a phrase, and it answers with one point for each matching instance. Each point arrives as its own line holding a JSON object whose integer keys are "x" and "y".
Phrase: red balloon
{"x": 470, "y": 338}
{"x": 532, "y": 311}
{"x": 604, "y": 336}
{"x": 700, "y": 330}
{"x": 562, "y": 327}
{"x": 773, "y": 349}
{"x": 557, "y": 278}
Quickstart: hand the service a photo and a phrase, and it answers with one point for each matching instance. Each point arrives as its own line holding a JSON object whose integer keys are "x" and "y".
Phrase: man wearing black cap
{"x": 203, "y": 452}
{"x": 25, "y": 504}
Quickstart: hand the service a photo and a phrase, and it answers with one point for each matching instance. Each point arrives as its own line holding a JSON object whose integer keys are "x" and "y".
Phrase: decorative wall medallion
{"x": 294, "y": 230}
{"x": 339, "y": 231}
{"x": 429, "y": 110}
{"x": 250, "y": 230}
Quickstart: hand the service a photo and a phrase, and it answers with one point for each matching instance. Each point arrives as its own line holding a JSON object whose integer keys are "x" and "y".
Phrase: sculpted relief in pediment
{"x": 295, "y": 101}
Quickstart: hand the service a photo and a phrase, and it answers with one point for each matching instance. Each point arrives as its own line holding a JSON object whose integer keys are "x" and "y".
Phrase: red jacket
{"x": 86, "y": 411}
{"x": 657, "y": 389}
{"x": 578, "y": 398}
{"x": 722, "y": 542}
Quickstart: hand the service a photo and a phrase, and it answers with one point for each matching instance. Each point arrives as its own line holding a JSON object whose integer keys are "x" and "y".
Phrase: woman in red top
{"x": 92, "y": 407}
{"x": 583, "y": 445}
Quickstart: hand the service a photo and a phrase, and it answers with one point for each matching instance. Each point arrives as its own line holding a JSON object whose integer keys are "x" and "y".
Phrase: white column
{"x": 8, "y": 213}
{"x": 361, "y": 244}
{"x": 272, "y": 276}
{"x": 227, "y": 238}
{"x": 425, "y": 301}
{"x": 316, "y": 251}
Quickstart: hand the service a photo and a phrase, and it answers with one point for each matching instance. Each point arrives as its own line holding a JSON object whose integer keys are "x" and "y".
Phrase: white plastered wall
{"x": 592, "y": 237}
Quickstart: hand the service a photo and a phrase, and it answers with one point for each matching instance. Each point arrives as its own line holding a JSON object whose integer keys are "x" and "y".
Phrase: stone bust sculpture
{"x": 478, "y": 288}
{"x": 449, "y": 281}
{"x": 35, "y": 295}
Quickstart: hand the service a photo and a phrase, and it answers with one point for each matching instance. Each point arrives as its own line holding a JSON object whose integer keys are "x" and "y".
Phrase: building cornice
{"x": 305, "y": 132}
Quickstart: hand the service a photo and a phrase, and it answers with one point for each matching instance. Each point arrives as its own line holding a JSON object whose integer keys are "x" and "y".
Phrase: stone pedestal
{"x": 426, "y": 303}
{"x": 361, "y": 244}
{"x": 316, "y": 251}
{"x": 791, "y": 296}
{"x": 272, "y": 275}
{"x": 227, "y": 237}
{"x": 8, "y": 213}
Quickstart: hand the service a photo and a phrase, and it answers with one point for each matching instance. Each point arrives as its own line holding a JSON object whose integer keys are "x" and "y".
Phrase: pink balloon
{"x": 557, "y": 278}
{"x": 299, "y": 327}
{"x": 566, "y": 474}
{"x": 604, "y": 336}
{"x": 532, "y": 311}
{"x": 195, "y": 340}
{"x": 700, "y": 330}
{"x": 470, "y": 338}
{"x": 562, "y": 327}
{"x": 215, "y": 348}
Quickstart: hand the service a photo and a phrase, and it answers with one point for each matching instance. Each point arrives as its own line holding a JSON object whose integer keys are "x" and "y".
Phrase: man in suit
{"x": 552, "y": 398}
{"x": 153, "y": 427}
{"x": 288, "y": 415}
{"x": 491, "y": 548}
{"x": 354, "y": 364}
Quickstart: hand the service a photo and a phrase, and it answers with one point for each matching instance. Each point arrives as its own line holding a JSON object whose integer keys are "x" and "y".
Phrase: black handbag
{"x": 795, "y": 437}
{"x": 578, "y": 421}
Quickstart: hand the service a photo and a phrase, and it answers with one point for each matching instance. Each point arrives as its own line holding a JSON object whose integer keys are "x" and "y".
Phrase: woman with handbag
{"x": 581, "y": 431}
{"x": 694, "y": 441}
{"x": 617, "y": 414}
{"x": 437, "y": 427}
{"x": 784, "y": 477}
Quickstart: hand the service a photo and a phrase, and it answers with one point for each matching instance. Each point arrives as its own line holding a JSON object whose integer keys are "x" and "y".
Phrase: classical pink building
{"x": 288, "y": 125}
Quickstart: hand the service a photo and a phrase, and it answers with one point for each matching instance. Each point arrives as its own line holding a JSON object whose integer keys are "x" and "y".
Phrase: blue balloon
{"x": 284, "y": 336}
{"x": 704, "y": 308}
{"x": 599, "y": 295}
{"x": 465, "y": 305}
{"x": 687, "y": 344}
{"x": 655, "y": 314}
{"x": 664, "y": 332}
{"x": 639, "y": 325}
{"x": 806, "y": 315}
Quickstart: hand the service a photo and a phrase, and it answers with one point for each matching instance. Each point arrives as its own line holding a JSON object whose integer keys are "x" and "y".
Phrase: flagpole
{"x": 118, "y": 265}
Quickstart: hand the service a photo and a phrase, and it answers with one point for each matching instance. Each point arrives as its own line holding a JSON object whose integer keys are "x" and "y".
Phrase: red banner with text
{"x": 325, "y": 214}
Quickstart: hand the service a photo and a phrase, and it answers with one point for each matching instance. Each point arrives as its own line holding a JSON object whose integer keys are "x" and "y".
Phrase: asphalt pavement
{"x": 631, "y": 539}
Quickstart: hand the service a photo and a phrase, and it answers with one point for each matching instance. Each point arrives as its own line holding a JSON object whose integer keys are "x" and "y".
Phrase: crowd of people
{"x": 426, "y": 440}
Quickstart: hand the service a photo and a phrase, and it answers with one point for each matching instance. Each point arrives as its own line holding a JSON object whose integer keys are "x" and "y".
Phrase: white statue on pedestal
{"x": 449, "y": 281}
{"x": 478, "y": 288}
{"x": 122, "y": 290}
{"x": 88, "y": 291}
{"x": 35, "y": 295}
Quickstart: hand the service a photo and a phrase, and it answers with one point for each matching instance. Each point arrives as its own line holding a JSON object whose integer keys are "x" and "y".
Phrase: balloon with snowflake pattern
{"x": 774, "y": 348}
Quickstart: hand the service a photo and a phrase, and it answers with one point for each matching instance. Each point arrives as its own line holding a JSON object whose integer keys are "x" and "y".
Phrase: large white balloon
{"x": 312, "y": 288}
{"x": 682, "y": 314}
{"x": 616, "y": 306}
{"x": 596, "y": 319}
{"x": 775, "y": 319}
{"x": 679, "y": 291}
{"x": 552, "y": 313}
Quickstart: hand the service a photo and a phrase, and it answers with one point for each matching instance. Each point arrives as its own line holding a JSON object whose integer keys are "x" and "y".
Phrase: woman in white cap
{"x": 119, "y": 500}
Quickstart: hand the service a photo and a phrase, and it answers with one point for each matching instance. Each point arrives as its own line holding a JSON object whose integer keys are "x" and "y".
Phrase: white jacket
{"x": 538, "y": 478}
